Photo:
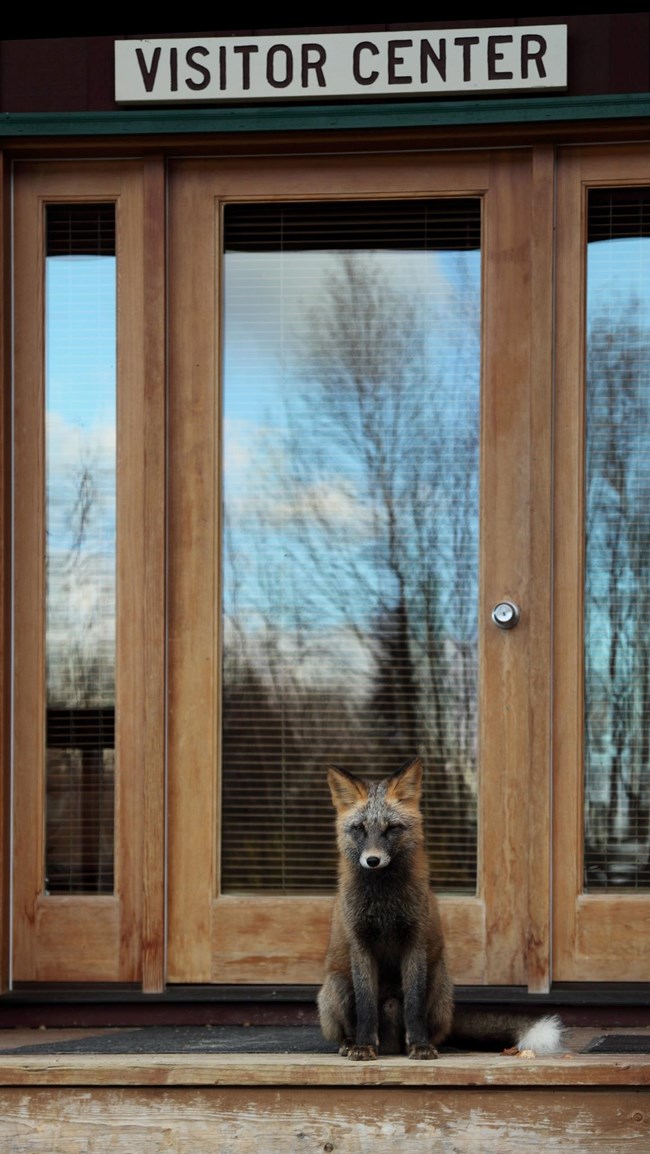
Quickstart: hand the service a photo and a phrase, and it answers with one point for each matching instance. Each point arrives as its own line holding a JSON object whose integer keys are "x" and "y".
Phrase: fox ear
{"x": 406, "y": 783}
{"x": 346, "y": 789}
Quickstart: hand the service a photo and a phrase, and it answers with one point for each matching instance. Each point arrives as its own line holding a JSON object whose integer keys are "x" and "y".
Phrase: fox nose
{"x": 373, "y": 862}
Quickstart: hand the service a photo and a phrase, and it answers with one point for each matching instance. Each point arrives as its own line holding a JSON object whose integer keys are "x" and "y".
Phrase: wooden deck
{"x": 268, "y": 1103}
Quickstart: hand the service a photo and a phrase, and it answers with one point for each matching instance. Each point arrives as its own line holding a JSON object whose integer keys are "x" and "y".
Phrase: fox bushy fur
{"x": 387, "y": 988}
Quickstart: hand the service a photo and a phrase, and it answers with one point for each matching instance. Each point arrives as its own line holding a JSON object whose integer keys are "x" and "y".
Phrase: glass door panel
{"x": 80, "y": 490}
{"x": 347, "y": 408}
{"x": 351, "y": 409}
{"x": 617, "y": 542}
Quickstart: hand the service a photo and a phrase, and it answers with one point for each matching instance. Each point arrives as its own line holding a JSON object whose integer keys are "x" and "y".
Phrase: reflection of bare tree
{"x": 81, "y": 682}
{"x": 617, "y": 602}
{"x": 367, "y": 585}
{"x": 81, "y": 588}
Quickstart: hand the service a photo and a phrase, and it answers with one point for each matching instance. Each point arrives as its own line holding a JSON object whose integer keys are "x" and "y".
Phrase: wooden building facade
{"x": 296, "y": 394}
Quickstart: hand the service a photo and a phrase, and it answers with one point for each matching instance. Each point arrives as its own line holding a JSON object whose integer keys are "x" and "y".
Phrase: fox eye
{"x": 394, "y": 825}
{"x": 356, "y": 826}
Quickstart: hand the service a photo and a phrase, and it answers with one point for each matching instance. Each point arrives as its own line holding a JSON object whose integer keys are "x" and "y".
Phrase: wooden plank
{"x": 93, "y": 923}
{"x": 130, "y": 657}
{"x": 154, "y": 811}
{"x": 568, "y": 564}
{"x": 28, "y": 672}
{"x": 491, "y": 1070}
{"x": 504, "y": 736}
{"x": 192, "y": 581}
{"x": 295, "y": 932}
{"x": 623, "y": 919}
{"x": 540, "y": 455}
{"x": 287, "y": 1121}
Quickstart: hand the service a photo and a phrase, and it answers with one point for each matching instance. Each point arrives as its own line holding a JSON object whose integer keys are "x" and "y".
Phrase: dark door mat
{"x": 619, "y": 1044}
{"x": 190, "y": 1040}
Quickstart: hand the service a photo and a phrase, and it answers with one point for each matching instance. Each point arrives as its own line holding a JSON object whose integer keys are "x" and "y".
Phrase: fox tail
{"x": 486, "y": 1029}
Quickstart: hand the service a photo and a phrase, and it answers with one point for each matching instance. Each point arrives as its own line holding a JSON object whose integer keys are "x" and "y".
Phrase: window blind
{"x": 351, "y": 374}
{"x": 80, "y": 513}
{"x": 617, "y": 577}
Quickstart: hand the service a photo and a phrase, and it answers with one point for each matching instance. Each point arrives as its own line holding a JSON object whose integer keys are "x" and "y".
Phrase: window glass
{"x": 350, "y": 525}
{"x": 617, "y": 588}
{"x": 80, "y": 316}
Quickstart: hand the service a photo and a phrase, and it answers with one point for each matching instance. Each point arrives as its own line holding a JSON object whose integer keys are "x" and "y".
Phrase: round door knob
{"x": 505, "y": 615}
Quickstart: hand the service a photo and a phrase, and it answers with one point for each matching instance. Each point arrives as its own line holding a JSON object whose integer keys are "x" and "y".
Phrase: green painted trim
{"x": 319, "y": 118}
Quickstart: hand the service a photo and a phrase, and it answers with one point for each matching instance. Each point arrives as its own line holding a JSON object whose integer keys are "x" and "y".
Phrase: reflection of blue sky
{"x": 310, "y": 555}
{"x": 80, "y": 385}
{"x": 270, "y": 299}
{"x": 80, "y": 470}
{"x": 80, "y": 337}
{"x": 618, "y": 271}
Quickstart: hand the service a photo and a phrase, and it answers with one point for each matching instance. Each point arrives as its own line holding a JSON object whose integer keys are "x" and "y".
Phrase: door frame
{"x": 594, "y": 934}
{"x": 501, "y": 936}
{"x": 595, "y": 928}
{"x": 118, "y": 937}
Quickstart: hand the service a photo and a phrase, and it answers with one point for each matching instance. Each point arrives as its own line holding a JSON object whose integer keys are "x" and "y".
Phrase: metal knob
{"x": 505, "y": 615}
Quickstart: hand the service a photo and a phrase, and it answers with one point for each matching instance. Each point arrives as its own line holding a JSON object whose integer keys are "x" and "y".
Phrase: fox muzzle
{"x": 374, "y": 859}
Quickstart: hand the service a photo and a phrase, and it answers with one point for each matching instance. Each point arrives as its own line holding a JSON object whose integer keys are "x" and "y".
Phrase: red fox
{"x": 387, "y": 988}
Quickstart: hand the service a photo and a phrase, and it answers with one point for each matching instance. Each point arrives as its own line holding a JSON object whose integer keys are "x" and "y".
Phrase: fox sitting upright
{"x": 387, "y": 988}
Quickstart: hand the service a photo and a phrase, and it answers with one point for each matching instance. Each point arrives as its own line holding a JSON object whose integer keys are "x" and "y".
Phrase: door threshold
{"x": 89, "y": 1058}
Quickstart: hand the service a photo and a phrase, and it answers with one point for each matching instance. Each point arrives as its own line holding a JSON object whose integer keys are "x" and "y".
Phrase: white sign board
{"x": 453, "y": 61}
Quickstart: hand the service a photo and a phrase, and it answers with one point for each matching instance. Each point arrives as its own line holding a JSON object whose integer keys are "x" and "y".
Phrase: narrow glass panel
{"x": 80, "y": 388}
{"x": 350, "y": 525}
{"x": 617, "y": 585}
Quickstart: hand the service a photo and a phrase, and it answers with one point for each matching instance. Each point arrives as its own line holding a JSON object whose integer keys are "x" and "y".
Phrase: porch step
{"x": 309, "y": 1103}
{"x": 323, "y": 1070}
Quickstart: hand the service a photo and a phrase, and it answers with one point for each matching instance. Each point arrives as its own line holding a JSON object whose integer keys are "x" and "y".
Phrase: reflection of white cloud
{"x": 81, "y": 472}
{"x": 332, "y": 503}
{"x": 261, "y": 498}
{"x": 80, "y": 636}
{"x": 69, "y": 443}
{"x": 239, "y": 439}
{"x": 286, "y": 288}
{"x": 325, "y": 659}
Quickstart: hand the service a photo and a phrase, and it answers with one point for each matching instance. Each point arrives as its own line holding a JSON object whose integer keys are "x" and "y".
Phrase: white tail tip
{"x": 544, "y": 1037}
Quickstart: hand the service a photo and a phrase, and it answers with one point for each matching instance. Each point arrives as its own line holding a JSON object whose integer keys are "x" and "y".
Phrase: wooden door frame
{"x": 502, "y": 935}
{"x": 598, "y": 922}
{"x": 513, "y": 946}
{"x": 596, "y": 936}
{"x": 117, "y": 937}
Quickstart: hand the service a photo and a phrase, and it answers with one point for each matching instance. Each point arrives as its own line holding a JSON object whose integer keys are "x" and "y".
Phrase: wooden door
{"x": 88, "y": 767}
{"x": 236, "y": 917}
{"x": 359, "y": 471}
{"x": 601, "y": 836}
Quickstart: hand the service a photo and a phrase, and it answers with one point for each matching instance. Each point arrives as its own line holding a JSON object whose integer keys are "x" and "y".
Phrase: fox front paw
{"x": 358, "y": 1053}
{"x": 422, "y": 1053}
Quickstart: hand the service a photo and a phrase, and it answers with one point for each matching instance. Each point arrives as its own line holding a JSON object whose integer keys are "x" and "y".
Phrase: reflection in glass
{"x": 617, "y": 583}
{"x": 350, "y": 525}
{"x": 80, "y": 388}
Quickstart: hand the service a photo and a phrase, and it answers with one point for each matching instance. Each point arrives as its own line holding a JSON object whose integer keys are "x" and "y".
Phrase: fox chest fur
{"x": 378, "y": 914}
